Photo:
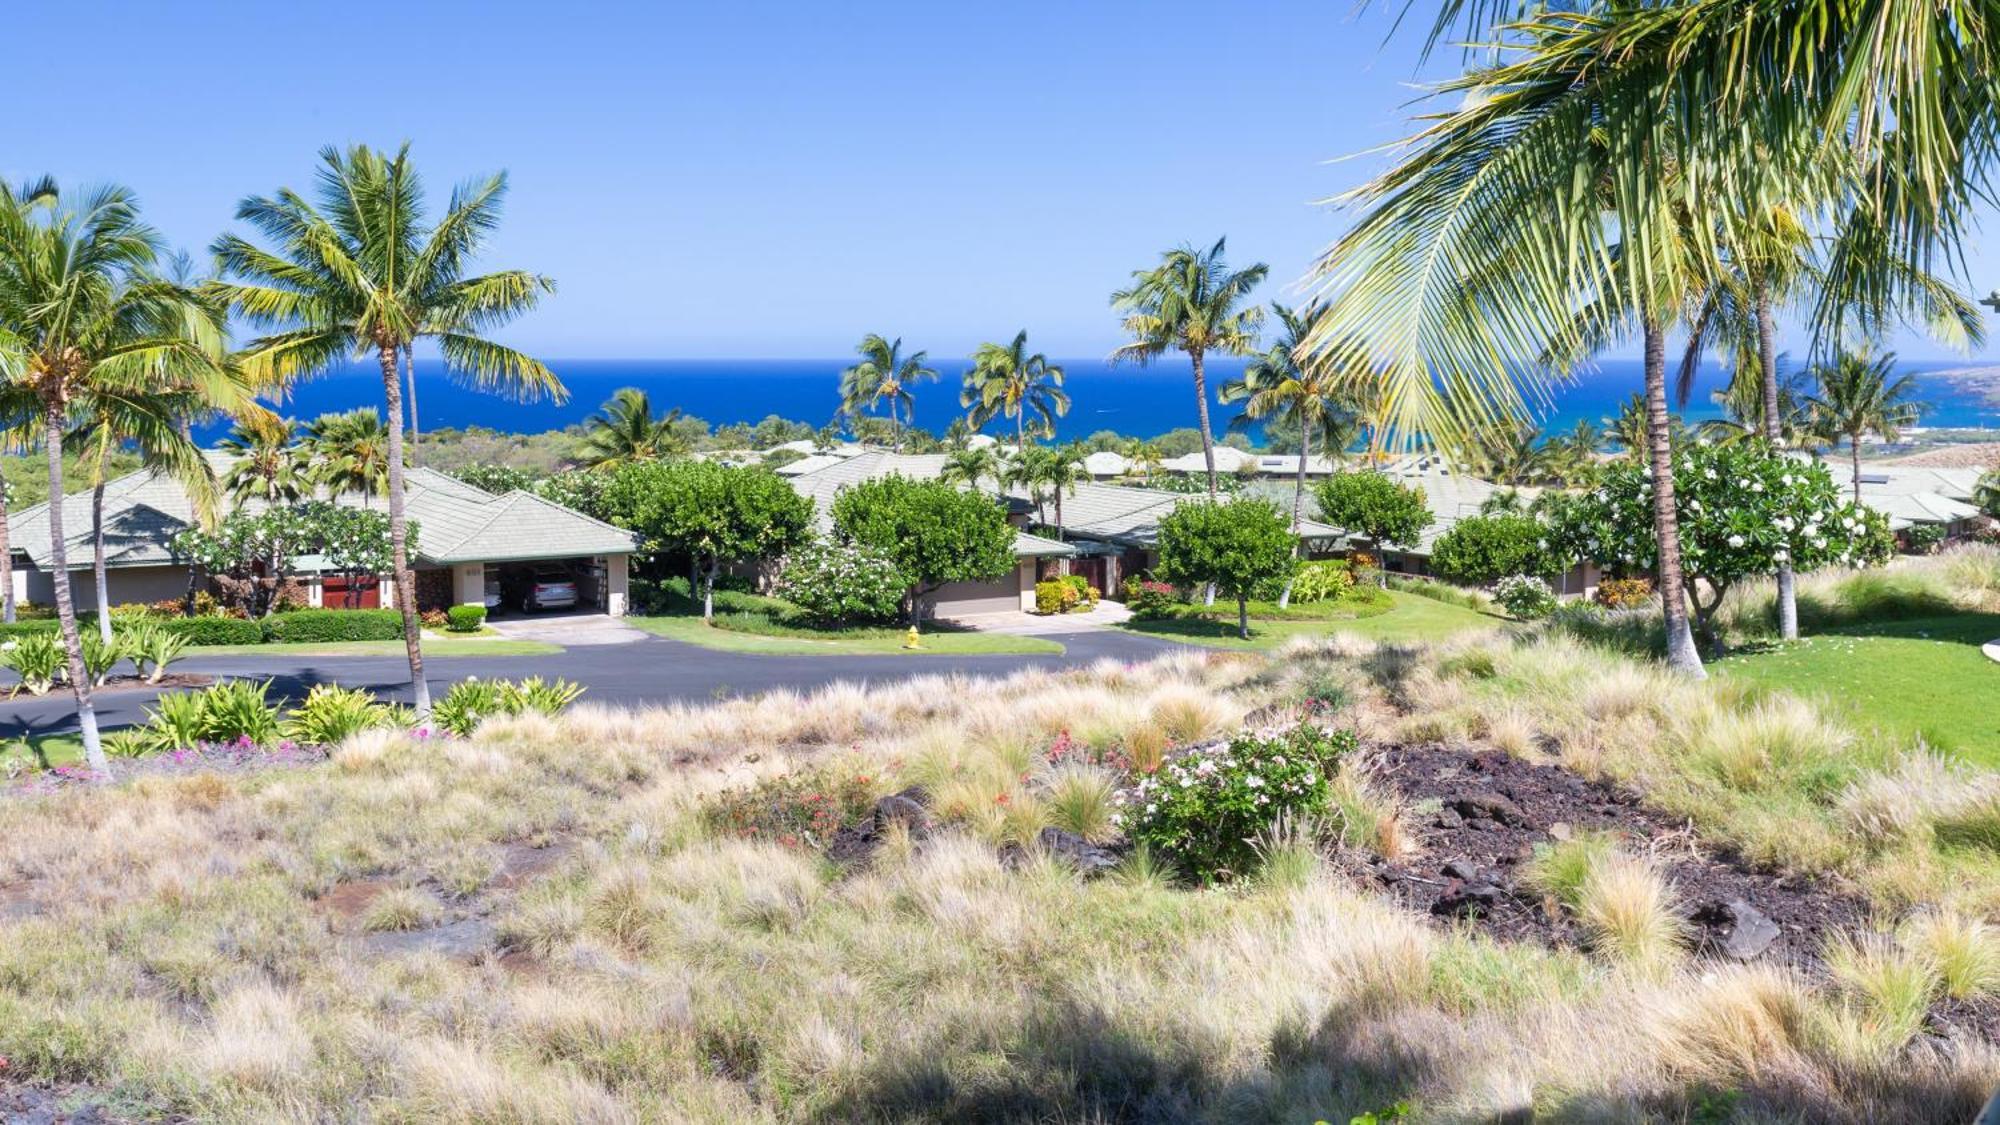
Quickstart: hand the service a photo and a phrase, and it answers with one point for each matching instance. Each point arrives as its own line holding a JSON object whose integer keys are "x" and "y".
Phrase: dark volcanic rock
{"x": 1076, "y": 851}
{"x": 856, "y": 843}
{"x": 1490, "y": 806}
{"x": 1467, "y": 900}
{"x": 1461, "y": 869}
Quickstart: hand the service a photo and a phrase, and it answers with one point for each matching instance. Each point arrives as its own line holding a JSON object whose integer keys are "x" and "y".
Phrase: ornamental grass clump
{"x": 1205, "y": 809}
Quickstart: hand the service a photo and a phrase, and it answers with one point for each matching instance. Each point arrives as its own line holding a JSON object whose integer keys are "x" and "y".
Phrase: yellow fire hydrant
{"x": 910, "y": 638}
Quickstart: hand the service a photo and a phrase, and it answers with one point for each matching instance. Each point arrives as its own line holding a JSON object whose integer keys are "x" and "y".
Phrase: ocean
{"x": 1134, "y": 401}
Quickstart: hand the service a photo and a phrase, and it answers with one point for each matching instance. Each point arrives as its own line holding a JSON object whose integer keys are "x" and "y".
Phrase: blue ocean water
{"x": 1135, "y": 401}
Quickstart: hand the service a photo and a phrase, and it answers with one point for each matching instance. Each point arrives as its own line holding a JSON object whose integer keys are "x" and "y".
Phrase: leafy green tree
{"x": 350, "y": 452}
{"x": 1743, "y": 508}
{"x": 1371, "y": 505}
{"x": 1008, "y": 381}
{"x": 711, "y": 513}
{"x": 251, "y": 555}
{"x": 1235, "y": 546}
{"x": 359, "y": 269}
{"x": 83, "y": 315}
{"x": 842, "y": 584}
{"x": 1860, "y": 394}
{"x": 1191, "y": 302}
{"x": 625, "y": 432}
{"x": 496, "y": 479}
{"x": 885, "y": 375}
{"x": 1484, "y": 549}
{"x": 936, "y": 533}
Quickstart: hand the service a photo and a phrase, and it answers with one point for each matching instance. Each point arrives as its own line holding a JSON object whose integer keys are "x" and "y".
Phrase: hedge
{"x": 316, "y": 626}
{"x": 463, "y": 618}
{"x": 29, "y": 628}
{"x": 214, "y": 630}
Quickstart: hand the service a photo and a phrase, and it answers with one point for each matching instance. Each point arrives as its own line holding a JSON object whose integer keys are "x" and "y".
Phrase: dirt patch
{"x": 1483, "y": 814}
{"x": 521, "y": 864}
{"x": 346, "y": 903}
{"x": 169, "y": 682}
{"x": 45, "y": 1105}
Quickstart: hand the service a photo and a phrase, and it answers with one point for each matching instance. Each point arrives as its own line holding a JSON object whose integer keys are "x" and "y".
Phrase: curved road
{"x": 647, "y": 670}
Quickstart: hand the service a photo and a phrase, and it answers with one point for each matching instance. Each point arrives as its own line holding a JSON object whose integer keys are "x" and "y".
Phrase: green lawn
{"x": 844, "y": 642}
{"x": 1904, "y": 678}
{"x": 439, "y": 646}
{"x": 1411, "y": 617}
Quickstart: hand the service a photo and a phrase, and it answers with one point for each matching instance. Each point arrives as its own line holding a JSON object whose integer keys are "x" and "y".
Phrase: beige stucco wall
{"x": 618, "y": 585}
{"x": 468, "y": 583}
{"x": 35, "y": 586}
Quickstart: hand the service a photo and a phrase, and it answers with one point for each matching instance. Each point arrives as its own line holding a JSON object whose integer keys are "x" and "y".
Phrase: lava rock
{"x": 905, "y": 808}
{"x": 1463, "y": 870}
{"x": 1490, "y": 806}
{"x": 1448, "y": 818}
{"x": 1467, "y": 900}
{"x": 1077, "y": 851}
{"x": 1745, "y": 932}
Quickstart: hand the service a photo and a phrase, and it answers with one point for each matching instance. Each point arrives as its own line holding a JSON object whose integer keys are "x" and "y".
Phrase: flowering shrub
{"x": 1322, "y": 581}
{"x": 1067, "y": 751}
{"x": 796, "y": 810}
{"x": 1624, "y": 593}
{"x": 1525, "y": 597}
{"x": 1148, "y": 597}
{"x": 836, "y": 583}
{"x": 1204, "y": 809}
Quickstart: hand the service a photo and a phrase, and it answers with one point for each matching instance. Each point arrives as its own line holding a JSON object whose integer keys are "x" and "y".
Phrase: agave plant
{"x": 239, "y": 710}
{"x": 37, "y": 658}
{"x": 177, "y": 720}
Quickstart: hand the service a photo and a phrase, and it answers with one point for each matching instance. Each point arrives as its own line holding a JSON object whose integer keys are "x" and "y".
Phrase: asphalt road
{"x": 650, "y": 670}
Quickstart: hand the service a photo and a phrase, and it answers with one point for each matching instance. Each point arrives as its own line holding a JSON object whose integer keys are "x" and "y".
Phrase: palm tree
{"x": 625, "y": 432}
{"x": 1277, "y": 385}
{"x": 350, "y": 452}
{"x": 1191, "y": 302}
{"x": 1147, "y": 456}
{"x": 885, "y": 375}
{"x": 1860, "y": 394}
{"x": 1048, "y": 473}
{"x": 359, "y": 270}
{"x": 82, "y": 318}
{"x": 1006, "y": 381}
{"x": 269, "y": 464}
{"x": 970, "y": 465}
{"x": 1574, "y": 454}
{"x": 1509, "y": 454}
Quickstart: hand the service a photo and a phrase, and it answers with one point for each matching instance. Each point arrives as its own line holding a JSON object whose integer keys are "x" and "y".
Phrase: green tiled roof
{"x": 456, "y": 523}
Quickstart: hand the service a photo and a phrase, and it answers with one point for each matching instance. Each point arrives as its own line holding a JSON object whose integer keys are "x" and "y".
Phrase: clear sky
{"x": 752, "y": 178}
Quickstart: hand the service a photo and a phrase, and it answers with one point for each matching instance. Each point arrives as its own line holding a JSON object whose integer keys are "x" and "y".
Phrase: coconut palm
{"x": 1860, "y": 394}
{"x": 1574, "y": 454}
{"x": 1007, "y": 381}
{"x": 359, "y": 270}
{"x": 1277, "y": 385}
{"x": 84, "y": 317}
{"x": 625, "y": 432}
{"x": 885, "y": 375}
{"x": 970, "y": 464}
{"x": 1147, "y": 457}
{"x": 1047, "y": 474}
{"x": 1191, "y": 302}
{"x": 350, "y": 452}
{"x": 269, "y": 464}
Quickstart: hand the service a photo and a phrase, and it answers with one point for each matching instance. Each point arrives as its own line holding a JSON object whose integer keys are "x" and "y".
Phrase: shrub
{"x": 1923, "y": 538}
{"x": 1487, "y": 548}
{"x": 1322, "y": 580}
{"x": 1525, "y": 597}
{"x": 473, "y": 701}
{"x": 465, "y": 618}
{"x": 320, "y": 626}
{"x": 1050, "y": 596}
{"x": 331, "y": 714}
{"x": 837, "y": 584}
{"x": 239, "y": 710}
{"x": 1624, "y": 593}
{"x": 177, "y": 720}
{"x": 42, "y": 626}
{"x": 1146, "y": 597}
{"x": 37, "y": 658}
{"x": 215, "y": 630}
{"x": 801, "y": 810}
{"x": 1205, "y": 809}
{"x": 434, "y": 619}
{"x": 99, "y": 656}
{"x": 1084, "y": 594}
{"x": 152, "y": 649}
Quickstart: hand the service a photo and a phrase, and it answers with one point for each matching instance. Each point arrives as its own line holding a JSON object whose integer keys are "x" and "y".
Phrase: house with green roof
{"x": 468, "y": 541}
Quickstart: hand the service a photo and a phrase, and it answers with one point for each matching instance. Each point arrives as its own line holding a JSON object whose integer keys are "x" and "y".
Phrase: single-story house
{"x": 1012, "y": 591}
{"x": 1229, "y": 459}
{"x": 468, "y": 539}
{"x": 1104, "y": 464}
{"x": 1913, "y": 495}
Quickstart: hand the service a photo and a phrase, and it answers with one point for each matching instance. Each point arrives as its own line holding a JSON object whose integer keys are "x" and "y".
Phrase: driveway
{"x": 649, "y": 669}
{"x": 1021, "y": 623}
{"x": 578, "y": 628}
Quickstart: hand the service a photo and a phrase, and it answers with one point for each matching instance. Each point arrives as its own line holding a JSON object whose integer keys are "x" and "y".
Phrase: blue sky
{"x": 759, "y": 179}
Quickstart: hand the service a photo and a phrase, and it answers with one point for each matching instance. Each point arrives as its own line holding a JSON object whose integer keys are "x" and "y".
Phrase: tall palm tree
{"x": 358, "y": 270}
{"x": 82, "y": 314}
{"x": 1277, "y": 384}
{"x": 1048, "y": 473}
{"x": 626, "y": 432}
{"x": 1191, "y": 302}
{"x": 1574, "y": 453}
{"x": 1007, "y": 381}
{"x": 350, "y": 452}
{"x": 1860, "y": 394}
{"x": 885, "y": 375}
{"x": 1147, "y": 457}
{"x": 970, "y": 465}
{"x": 269, "y": 463}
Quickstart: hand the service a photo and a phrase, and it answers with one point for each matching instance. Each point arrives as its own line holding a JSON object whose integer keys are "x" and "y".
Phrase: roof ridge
{"x": 548, "y": 503}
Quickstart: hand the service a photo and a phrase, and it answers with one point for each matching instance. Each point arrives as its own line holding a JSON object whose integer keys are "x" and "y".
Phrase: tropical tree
{"x": 625, "y": 432}
{"x": 83, "y": 314}
{"x": 1007, "y": 381}
{"x": 358, "y": 269}
{"x": 971, "y": 464}
{"x": 885, "y": 375}
{"x": 1146, "y": 456}
{"x": 1574, "y": 454}
{"x": 1048, "y": 474}
{"x": 1277, "y": 385}
{"x": 1381, "y": 510}
{"x": 269, "y": 464}
{"x": 1860, "y": 394}
{"x": 1238, "y": 547}
{"x": 350, "y": 452}
{"x": 1193, "y": 303}
{"x": 933, "y": 532}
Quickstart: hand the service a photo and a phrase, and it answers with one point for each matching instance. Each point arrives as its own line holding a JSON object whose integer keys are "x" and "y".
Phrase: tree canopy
{"x": 934, "y": 532}
{"x": 712, "y": 513}
{"x": 1238, "y": 545}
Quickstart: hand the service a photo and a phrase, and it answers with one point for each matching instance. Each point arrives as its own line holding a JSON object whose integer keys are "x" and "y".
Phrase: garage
{"x": 1000, "y": 595}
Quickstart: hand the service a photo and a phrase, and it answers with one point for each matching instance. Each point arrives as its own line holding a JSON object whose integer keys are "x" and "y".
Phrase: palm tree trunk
{"x": 406, "y": 585}
{"x": 98, "y": 572}
{"x": 6, "y": 562}
{"x": 1298, "y": 506}
{"x": 79, "y": 682}
{"x": 1681, "y": 653}
{"x": 1854, "y": 459}
{"x": 416, "y": 437}
{"x": 1767, "y": 356}
{"x": 1201, "y": 413}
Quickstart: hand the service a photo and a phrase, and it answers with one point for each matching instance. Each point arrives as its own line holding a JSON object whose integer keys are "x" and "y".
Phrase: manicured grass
{"x": 1410, "y": 618}
{"x": 46, "y": 751}
{"x": 845, "y": 642}
{"x": 1903, "y": 678}
{"x": 438, "y": 646}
